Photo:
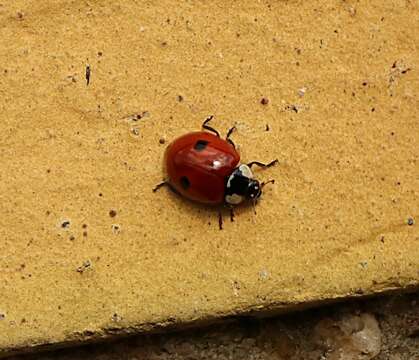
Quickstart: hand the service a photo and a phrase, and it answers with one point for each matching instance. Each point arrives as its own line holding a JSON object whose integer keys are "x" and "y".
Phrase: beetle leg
{"x": 158, "y": 186}
{"x": 209, "y": 128}
{"x": 231, "y": 209}
{"x": 220, "y": 220}
{"x": 257, "y": 163}
{"x": 272, "y": 181}
{"x": 165, "y": 183}
{"x": 254, "y": 206}
{"x": 229, "y": 134}
{"x": 232, "y": 214}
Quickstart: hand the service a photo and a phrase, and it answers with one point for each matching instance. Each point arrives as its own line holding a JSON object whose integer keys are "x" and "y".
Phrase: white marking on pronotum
{"x": 229, "y": 181}
{"x": 234, "y": 199}
{"x": 245, "y": 170}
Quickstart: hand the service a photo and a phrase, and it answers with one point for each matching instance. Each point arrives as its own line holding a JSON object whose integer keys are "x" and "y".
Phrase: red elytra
{"x": 198, "y": 165}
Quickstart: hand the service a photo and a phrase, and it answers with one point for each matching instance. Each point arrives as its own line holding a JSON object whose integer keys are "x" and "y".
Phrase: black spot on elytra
{"x": 200, "y": 145}
{"x": 184, "y": 181}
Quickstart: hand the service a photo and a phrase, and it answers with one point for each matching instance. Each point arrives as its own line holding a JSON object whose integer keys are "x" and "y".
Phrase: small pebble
{"x": 65, "y": 224}
{"x": 116, "y": 317}
{"x": 410, "y": 222}
{"x": 294, "y": 107}
{"x": 116, "y": 229}
{"x": 264, "y": 101}
{"x": 85, "y": 266}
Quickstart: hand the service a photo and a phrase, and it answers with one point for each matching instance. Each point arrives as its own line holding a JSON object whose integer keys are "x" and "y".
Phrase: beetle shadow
{"x": 193, "y": 208}
{"x": 212, "y": 212}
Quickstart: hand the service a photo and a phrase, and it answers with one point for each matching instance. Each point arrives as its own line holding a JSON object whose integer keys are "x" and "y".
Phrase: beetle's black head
{"x": 254, "y": 189}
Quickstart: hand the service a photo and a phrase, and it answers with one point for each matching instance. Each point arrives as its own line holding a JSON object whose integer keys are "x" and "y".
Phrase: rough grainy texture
{"x": 380, "y": 329}
{"x": 88, "y": 251}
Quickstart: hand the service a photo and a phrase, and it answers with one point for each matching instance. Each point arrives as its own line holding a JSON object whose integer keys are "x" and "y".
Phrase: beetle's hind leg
{"x": 168, "y": 185}
{"x": 209, "y": 128}
{"x": 160, "y": 185}
{"x": 165, "y": 183}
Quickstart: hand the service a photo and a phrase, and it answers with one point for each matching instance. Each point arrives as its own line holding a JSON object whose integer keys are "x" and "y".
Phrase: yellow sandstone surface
{"x": 87, "y": 251}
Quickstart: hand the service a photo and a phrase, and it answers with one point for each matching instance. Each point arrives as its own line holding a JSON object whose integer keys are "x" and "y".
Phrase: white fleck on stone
{"x": 302, "y": 91}
{"x": 263, "y": 274}
{"x": 363, "y": 264}
{"x": 236, "y": 287}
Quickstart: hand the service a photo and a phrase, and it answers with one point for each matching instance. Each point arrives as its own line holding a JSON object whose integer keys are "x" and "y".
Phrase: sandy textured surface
{"x": 88, "y": 251}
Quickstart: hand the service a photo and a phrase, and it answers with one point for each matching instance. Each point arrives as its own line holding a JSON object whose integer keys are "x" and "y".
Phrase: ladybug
{"x": 203, "y": 167}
